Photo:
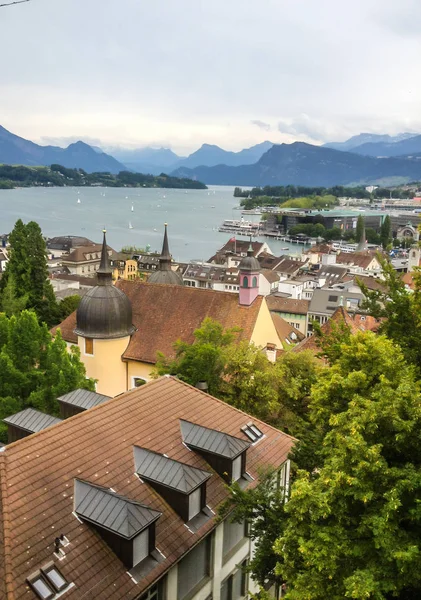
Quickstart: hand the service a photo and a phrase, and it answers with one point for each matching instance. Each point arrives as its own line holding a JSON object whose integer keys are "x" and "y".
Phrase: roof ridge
{"x": 191, "y": 289}
{"x": 6, "y": 529}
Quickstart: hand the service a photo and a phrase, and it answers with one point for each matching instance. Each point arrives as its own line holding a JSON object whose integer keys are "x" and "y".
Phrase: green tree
{"x": 203, "y": 360}
{"x": 359, "y": 234}
{"x": 398, "y": 310}
{"x": 67, "y": 306}
{"x": 353, "y": 525}
{"x": 386, "y": 232}
{"x": 25, "y": 281}
{"x": 34, "y": 368}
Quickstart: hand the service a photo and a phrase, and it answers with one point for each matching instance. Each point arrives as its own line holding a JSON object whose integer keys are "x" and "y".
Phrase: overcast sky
{"x": 178, "y": 73}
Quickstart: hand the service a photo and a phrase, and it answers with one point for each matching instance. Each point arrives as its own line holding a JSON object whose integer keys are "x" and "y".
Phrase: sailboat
{"x": 130, "y": 225}
{"x": 78, "y": 200}
{"x": 132, "y": 207}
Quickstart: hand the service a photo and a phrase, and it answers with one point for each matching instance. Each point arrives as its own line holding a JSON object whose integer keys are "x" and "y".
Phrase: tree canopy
{"x": 35, "y": 368}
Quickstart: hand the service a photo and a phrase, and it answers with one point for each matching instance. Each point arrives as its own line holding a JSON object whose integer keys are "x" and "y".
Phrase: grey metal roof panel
{"x": 168, "y": 472}
{"x": 31, "y": 420}
{"x": 83, "y": 398}
{"x": 212, "y": 440}
{"x": 118, "y": 514}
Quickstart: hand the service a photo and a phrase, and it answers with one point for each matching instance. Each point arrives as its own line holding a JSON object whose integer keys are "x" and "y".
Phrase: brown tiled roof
{"x": 288, "y": 265}
{"x": 271, "y": 276}
{"x": 80, "y": 254}
{"x": 278, "y": 304}
{"x": 359, "y": 259}
{"x": 284, "y": 330}
{"x": 163, "y": 314}
{"x": 37, "y": 477}
{"x": 408, "y": 280}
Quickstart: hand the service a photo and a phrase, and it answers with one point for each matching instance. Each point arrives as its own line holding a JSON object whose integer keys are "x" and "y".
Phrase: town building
{"x": 234, "y": 250}
{"x": 123, "y": 266}
{"x": 292, "y": 311}
{"x": 66, "y": 243}
{"x": 85, "y": 260}
{"x": 164, "y": 273}
{"x": 325, "y": 302}
{"x": 121, "y": 328}
{"x": 121, "y": 500}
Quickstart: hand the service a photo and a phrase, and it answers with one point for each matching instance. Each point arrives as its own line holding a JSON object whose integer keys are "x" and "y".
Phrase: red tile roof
{"x": 37, "y": 477}
{"x": 284, "y": 330}
{"x": 163, "y": 314}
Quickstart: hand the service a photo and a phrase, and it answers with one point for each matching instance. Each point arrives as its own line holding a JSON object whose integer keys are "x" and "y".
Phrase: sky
{"x": 179, "y": 73}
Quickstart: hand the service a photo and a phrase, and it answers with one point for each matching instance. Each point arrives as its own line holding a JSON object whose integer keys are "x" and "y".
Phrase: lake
{"x": 193, "y": 216}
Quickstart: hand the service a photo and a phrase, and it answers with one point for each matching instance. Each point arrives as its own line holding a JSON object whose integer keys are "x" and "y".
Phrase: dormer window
{"x": 225, "y": 453}
{"x": 132, "y": 535}
{"x": 182, "y": 486}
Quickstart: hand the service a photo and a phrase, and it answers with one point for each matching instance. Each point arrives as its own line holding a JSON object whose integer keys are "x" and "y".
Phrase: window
{"x": 235, "y": 586}
{"x": 54, "y": 577}
{"x": 140, "y": 547}
{"x": 234, "y": 533}
{"x": 237, "y": 468}
{"x": 138, "y": 381}
{"x": 254, "y": 282}
{"x": 41, "y": 588}
{"x": 195, "y": 501}
{"x": 194, "y": 569}
{"x": 89, "y": 346}
{"x": 156, "y": 592}
{"x": 332, "y": 299}
{"x": 245, "y": 282}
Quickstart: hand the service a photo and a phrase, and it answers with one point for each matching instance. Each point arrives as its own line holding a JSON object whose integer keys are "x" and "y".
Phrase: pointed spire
{"x": 250, "y": 248}
{"x": 165, "y": 258}
{"x": 104, "y": 272}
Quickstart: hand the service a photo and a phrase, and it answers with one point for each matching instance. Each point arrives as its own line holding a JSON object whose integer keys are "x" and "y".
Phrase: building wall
{"x": 138, "y": 369}
{"x": 264, "y": 331}
{"x": 296, "y": 320}
{"x": 219, "y": 572}
{"x": 106, "y": 365}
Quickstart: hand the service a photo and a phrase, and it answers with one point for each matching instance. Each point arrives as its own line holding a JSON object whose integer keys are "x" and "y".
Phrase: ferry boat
{"x": 240, "y": 227}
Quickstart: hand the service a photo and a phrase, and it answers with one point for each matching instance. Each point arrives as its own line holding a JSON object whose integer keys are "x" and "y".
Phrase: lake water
{"x": 193, "y": 218}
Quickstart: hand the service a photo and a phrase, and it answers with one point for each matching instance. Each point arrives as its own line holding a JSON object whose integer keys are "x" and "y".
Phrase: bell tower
{"x": 249, "y": 269}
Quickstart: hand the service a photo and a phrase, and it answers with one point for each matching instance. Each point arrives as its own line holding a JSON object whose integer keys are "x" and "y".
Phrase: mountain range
{"x": 15, "y": 150}
{"x": 303, "y": 164}
{"x": 154, "y": 161}
{"x": 363, "y": 159}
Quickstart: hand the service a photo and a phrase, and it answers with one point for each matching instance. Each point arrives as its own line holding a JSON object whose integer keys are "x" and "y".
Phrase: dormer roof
{"x": 212, "y": 440}
{"x": 107, "y": 509}
{"x": 83, "y": 398}
{"x": 168, "y": 472}
{"x": 31, "y": 420}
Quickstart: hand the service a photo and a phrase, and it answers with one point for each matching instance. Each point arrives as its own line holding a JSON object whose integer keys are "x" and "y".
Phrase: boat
{"x": 155, "y": 229}
{"x": 285, "y": 248}
{"x": 212, "y": 206}
{"x": 130, "y": 225}
{"x": 78, "y": 200}
{"x": 132, "y": 207}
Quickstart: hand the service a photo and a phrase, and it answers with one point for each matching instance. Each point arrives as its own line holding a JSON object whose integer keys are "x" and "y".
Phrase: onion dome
{"x": 249, "y": 262}
{"x": 164, "y": 273}
{"x": 105, "y": 312}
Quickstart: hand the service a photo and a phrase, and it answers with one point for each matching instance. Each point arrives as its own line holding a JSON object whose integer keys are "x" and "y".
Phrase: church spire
{"x": 104, "y": 273}
{"x": 165, "y": 258}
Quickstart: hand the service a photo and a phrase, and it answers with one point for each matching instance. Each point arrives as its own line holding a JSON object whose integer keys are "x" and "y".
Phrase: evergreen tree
{"x": 359, "y": 234}
{"x": 25, "y": 282}
{"x": 386, "y": 232}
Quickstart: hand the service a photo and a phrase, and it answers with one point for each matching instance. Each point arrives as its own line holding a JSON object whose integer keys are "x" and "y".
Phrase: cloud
{"x": 63, "y": 142}
{"x": 261, "y": 124}
{"x": 320, "y": 70}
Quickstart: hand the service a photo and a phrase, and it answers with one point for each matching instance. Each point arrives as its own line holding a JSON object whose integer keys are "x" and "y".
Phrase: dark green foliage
{"x": 34, "y": 368}
{"x": 400, "y": 311}
{"x": 56, "y": 175}
{"x": 25, "y": 282}
{"x": 67, "y": 306}
{"x": 386, "y": 232}
{"x": 360, "y": 232}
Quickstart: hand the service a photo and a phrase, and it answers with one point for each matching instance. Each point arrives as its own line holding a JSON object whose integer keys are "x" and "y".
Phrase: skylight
{"x": 252, "y": 432}
{"x": 47, "y": 582}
